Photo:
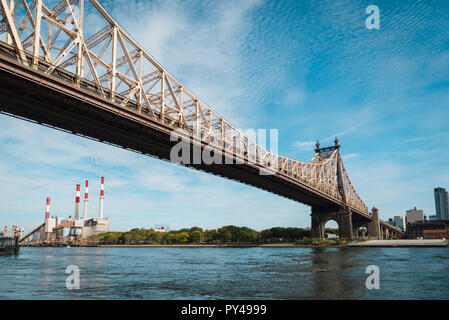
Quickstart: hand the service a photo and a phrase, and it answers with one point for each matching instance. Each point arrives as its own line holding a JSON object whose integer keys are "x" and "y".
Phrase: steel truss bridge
{"x": 58, "y": 71}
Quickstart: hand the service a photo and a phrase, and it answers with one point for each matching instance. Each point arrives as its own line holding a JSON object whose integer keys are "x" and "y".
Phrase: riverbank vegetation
{"x": 224, "y": 235}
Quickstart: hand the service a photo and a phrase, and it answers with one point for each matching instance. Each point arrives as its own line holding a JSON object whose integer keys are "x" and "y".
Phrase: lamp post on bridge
{"x": 327, "y": 149}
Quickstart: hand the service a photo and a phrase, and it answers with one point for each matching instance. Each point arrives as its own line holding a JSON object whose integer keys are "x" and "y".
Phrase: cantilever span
{"x": 59, "y": 71}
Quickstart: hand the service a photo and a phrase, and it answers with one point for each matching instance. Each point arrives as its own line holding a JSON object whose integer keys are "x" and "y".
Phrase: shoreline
{"x": 283, "y": 245}
{"x": 403, "y": 243}
{"x": 354, "y": 244}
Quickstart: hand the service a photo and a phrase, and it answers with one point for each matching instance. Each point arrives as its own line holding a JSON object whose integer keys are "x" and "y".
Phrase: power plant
{"x": 70, "y": 231}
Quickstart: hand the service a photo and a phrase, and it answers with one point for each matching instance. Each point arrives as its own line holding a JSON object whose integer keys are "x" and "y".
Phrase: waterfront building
{"x": 428, "y": 229}
{"x": 399, "y": 221}
{"x": 441, "y": 203}
{"x": 161, "y": 228}
{"x": 435, "y": 234}
{"x": 330, "y": 236}
{"x": 415, "y": 215}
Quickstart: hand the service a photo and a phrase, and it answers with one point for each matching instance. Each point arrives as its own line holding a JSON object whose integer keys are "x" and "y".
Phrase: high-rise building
{"x": 414, "y": 215}
{"x": 441, "y": 204}
{"x": 399, "y": 221}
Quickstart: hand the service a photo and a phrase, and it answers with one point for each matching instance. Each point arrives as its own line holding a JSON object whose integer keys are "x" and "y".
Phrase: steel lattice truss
{"x": 53, "y": 37}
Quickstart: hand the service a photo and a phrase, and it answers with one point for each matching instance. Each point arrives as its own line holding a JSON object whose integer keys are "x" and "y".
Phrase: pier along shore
{"x": 401, "y": 243}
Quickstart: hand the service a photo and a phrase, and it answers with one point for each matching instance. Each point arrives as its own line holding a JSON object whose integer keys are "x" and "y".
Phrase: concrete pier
{"x": 401, "y": 243}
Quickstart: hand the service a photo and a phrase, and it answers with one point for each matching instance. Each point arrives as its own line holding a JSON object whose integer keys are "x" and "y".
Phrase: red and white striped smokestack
{"x": 101, "y": 197}
{"x": 85, "y": 200}
{"x": 77, "y": 202}
{"x": 47, "y": 210}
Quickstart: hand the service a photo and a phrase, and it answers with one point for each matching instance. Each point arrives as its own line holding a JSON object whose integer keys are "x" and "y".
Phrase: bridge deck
{"x": 51, "y": 101}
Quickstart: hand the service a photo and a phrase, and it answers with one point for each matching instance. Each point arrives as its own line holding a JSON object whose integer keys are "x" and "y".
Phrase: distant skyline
{"x": 309, "y": 69}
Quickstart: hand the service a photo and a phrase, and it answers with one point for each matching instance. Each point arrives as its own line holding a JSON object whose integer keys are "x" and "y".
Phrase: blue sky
{"x": 309, "y": 69}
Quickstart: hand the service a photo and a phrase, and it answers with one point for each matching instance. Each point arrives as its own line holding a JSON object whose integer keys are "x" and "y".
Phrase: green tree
{"x": 196, "y": 236}
{"x": 181, "y": 237}
{"x": 210, "y": 236}
{"x": 224, "y": 235}
{"x": 152, "y": 237}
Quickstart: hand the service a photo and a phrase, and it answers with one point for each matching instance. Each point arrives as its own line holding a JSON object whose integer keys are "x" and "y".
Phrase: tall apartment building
{"x": 441, "y": 204}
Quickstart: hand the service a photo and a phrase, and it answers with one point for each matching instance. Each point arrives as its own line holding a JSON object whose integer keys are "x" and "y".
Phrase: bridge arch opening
{"x": 361, "y": 232}
{"x": 331, "y": 229}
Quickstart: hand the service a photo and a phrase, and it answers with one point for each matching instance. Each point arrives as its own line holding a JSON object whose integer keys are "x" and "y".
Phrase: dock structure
{"x": 402, "y": 243}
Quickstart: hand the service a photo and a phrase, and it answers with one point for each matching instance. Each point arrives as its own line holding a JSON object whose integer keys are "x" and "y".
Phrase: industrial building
{"x": 71, "y": 230}
{"x": 15, "y": 231}
{"x": 438, "y": 229}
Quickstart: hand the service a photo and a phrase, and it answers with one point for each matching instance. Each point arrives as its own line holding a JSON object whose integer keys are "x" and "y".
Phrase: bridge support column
{"x": 316, "y": 232}
{"x": 374, "y": 226}
{"x": 321, "y": 215}
{"x": 356, "y": 226}
{"x": 345, "y": 224}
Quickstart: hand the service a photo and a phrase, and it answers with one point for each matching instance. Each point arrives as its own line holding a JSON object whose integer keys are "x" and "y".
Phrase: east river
{"x": 224, "y": 273}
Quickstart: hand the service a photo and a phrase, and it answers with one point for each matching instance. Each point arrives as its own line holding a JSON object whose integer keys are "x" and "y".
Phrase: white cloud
{"x": 305, "y": 145}
{"x": 427, "y": 137}
{"x": 350, "y": 156}
{"x": 294, "y": 97}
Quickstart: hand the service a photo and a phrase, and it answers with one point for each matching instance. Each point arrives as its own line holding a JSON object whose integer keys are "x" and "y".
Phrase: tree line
{"x": 224, "y": 235}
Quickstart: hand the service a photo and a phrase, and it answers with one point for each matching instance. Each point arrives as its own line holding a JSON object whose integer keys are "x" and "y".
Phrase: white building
{"x": 161, "y": 228}
{"x": 414, "y": 215}
{"x": 83, "y": 228}
{"x": 92, "y": 226}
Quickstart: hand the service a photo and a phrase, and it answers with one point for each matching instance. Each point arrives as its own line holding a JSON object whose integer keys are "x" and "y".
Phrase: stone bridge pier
{"x": 343, "y": 217}
{"x": 388, "y": 234}
{"x": 347, "y": 227}
{"x": 374, "y": 229}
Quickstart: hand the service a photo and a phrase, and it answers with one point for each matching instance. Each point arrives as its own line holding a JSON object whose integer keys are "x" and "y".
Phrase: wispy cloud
{"x": 294, "y": 97}
{"x": 350, "y": 156}
{"x": 427, "y": 137}
{"x": 304, "y": 145}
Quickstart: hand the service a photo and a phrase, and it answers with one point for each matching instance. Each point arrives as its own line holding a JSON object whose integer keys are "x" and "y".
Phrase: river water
{"x": 226, "y": 273}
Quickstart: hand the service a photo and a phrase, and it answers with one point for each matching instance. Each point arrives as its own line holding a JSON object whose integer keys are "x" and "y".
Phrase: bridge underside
{"x": 29, "y": 94}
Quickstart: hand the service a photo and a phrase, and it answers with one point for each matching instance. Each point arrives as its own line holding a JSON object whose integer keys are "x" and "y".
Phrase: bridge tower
{"x": 374, "y": 230}
{"x": 342, "y": 215}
